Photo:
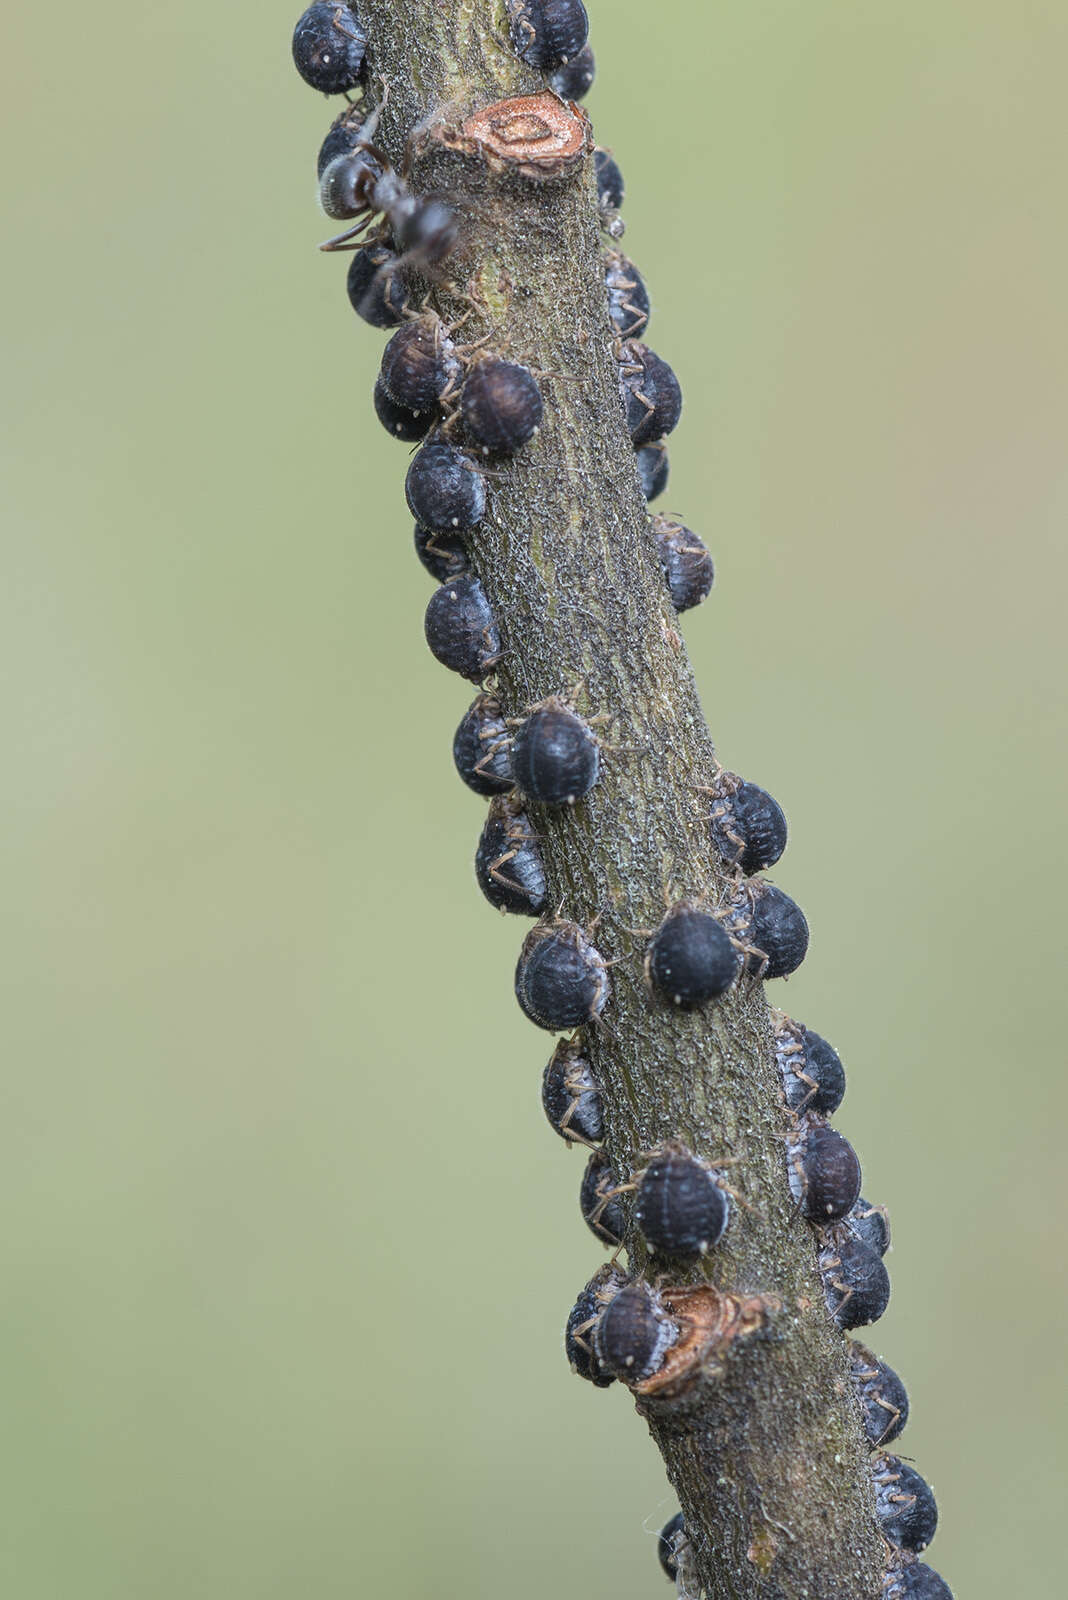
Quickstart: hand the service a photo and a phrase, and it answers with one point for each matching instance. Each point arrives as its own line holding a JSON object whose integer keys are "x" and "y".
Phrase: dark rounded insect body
{"x": 555, "y": 757}
{"x": 884, "y": 1401}
{"x": 460, "y": 628}
{"x": 610, "y": 188}
{"x": 343, "y": 135}
{"x": 602, "y": 1208}
{"x": 329, "y": 43}
{"x": 376, "y": 289}
{"x": 680, "y": 1207}
{"x": 574, "y": 80}
{"x": 917, "y": 1581}
{"x": 548, "y": 33}
{"x": 508, "y": 863}
{"x": 633, "y": 1334}
{"x": 904, "y": 1504}
{"x": 813, "y": 1078}
{"x": 685, "y": 561}
{"x": 418, "y": 365}
{"x": 570, "y": 1097}
{"x": 653, "y": 469}
{"x": 482, "y": 748}
{"x": 347, "y": 183}
{"x": 444, "y": 490}
{"x": 824, "y": 1173}
{"x": 856, "y": 1285}
{"x": 501, "y": 406}
{"x": 672, "y": 1536}
{"x": 871, "y": 1225}
{"x": 748, "y": 826}
{"x": 691, "y": 959}
{"x": 398, "y": 420}
{"x": 628, "y": 298}
{"x": 444, "y": 556}
{"x": 776, "y": 929}
{"x": 582, "y": 1322}
{"x": 561, "y": 979}
{"x": 651, "y": 393}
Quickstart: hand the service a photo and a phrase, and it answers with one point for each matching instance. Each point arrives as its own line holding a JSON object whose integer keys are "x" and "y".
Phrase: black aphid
{"x": 398, "y": 420}
{"x": 856, "y": 1285}
{"x": 555, "y": 757}
{"x": 561, "y": 979}
{"x": 775, "y": 927}
{"x": 548, "y": 33}
{"x": 679, "y": 1206}
{"x": 884, "y": 1401}
{"x": 653, "y": 469}
{"x": 685, "y": 560}
{"x": 570, "y": 1097}
{"x": 871, "y": 1225}
{"x": 651, "y": 393}
{"x": 508, "y": 864}
{"x": 482, "y": 748}
{"x": 343, "y": 135}
{"x": 609, "y": 181}
{"x": 501, "y": 406}
{"x": 418, "y": 364}
{"x": 628, "y": 298}
{"x": 602, "y": 1208}
{"x": 574, "y": 80}
{"x": 748, "y": 826}
{"x": 691, "y": 959}
{"x": 444, "y": 555}
{"x": 376, "y": 288}
{"x": 904, "y": 1504}
{"x": 824, "y": 1172}
{"x": 813, "y": 1078}
{"x": 582, "y": 1322}
{"x": 460, "y": 628}
{"x": 917, "y": 1581}
{"x": 634, "y": 1334}
{"x": 669, "y": 1544}
{"x": 329, "y": 43}
{"x": 444, "y": 489}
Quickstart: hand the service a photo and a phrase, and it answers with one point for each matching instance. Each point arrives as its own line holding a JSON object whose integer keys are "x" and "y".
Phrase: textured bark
{"x": 765, "y": 1450}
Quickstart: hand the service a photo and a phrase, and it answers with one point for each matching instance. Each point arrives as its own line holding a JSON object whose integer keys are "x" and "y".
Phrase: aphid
{"x": 548, "y": 33}
{"x": 634, "y": 1334}
{"x": 444, "y": 556}
{"x": 561, "y": 979}
{"x": 574, "y": 80}
{"x": 555, "y": 757}
{"x": 602, "y": 1208}
{"x": 398, "y": 420}
{"x": 419, "y": 364}
{"x": 343, "y": 135}
{"x": 501, "y": 405}
{"x": 461, "y": 629}
{"x": 444, "y": 489}
{"x": 680, "y": 1207}
{"x": 377, "y": 291}
{"x": 653, "y": 469}
{"x": 570, "y": 1097}
{"x": 884, "y": 1402}
{"x": 508, "y": 864}
{"x": 628, "y": 298}
{"x": 856, "y": 1285}
{"x": 582, "y": 1321}
{"x": 329, "y": 43}
{"x": 904, "y": 1504}
{"x": 917, "y": 1581}
{"x": 651, "y": 393}
{"x": 748, "y": 826}
{"x": 609, "y": 181}
{"x": 871, "y": 1225}
{"x": 813, "y": 1078}
{"x": 672, "y": 1536}
{"x": 777, "y": 931}
{"x": 685, "y": 560}
{"x": 824, "y": 1172}
{"x": 691, "y": 959}
{"x": 482, "y": 749}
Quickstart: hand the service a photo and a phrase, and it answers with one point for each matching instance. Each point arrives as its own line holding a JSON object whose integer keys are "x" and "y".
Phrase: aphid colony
{"x": 468, "y": 407}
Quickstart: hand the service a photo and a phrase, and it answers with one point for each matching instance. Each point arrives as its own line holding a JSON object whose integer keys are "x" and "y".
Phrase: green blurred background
{"x": 288, "y": 1246}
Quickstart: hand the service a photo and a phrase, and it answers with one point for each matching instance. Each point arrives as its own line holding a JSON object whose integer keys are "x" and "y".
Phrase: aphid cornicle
{"x": 409, "y": 426}
{"x": 824, "y": 1172}
{"x": 444, "y": 555}
{"x": 376, "y": 288}
{"x": 917, "y": 1581}
{"x": 813, "y": 1078}
{"x": 444, "y": 489}
{"x": 460, "y": 628}
{"x": 633, "y": 1334}
{"x": 329, "y": 43}
{"x": 508, "y": 864}
{"x": 685, "y": 562}
{"x": 651, "y": 393}
{"x": 501, "y": 406}
{"x": 482, "y": 748}
{"x": 856, "y": 1285}
{"x": 680, "y": 1206}
{"x": 582, "y": 1321}
{"x": 748, "y": 826}
{"x": 418, "y": 364}
{"x": 548, "y": 33}
{"x": 561, "y": 979}
{"x": 776, "y": 928}
{"x": 555, "y": 758}
{"x": 884, "y": 1401}
{"x": 570, "y": 1097}
{"x": 574, "y": 80}
{"x": 628, "y": 298}
{"x": 672, "y": 1537}
{"x": 691, "y": 959}
{"x": 904, "y": 1504}
{"x": 609, "y": 180}
{"x": 870, "y": 1224}
{"x": 602, "y": 1209}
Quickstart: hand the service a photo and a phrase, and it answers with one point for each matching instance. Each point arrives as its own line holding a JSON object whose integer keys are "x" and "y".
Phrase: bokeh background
{"x": 287, "y": 1245}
